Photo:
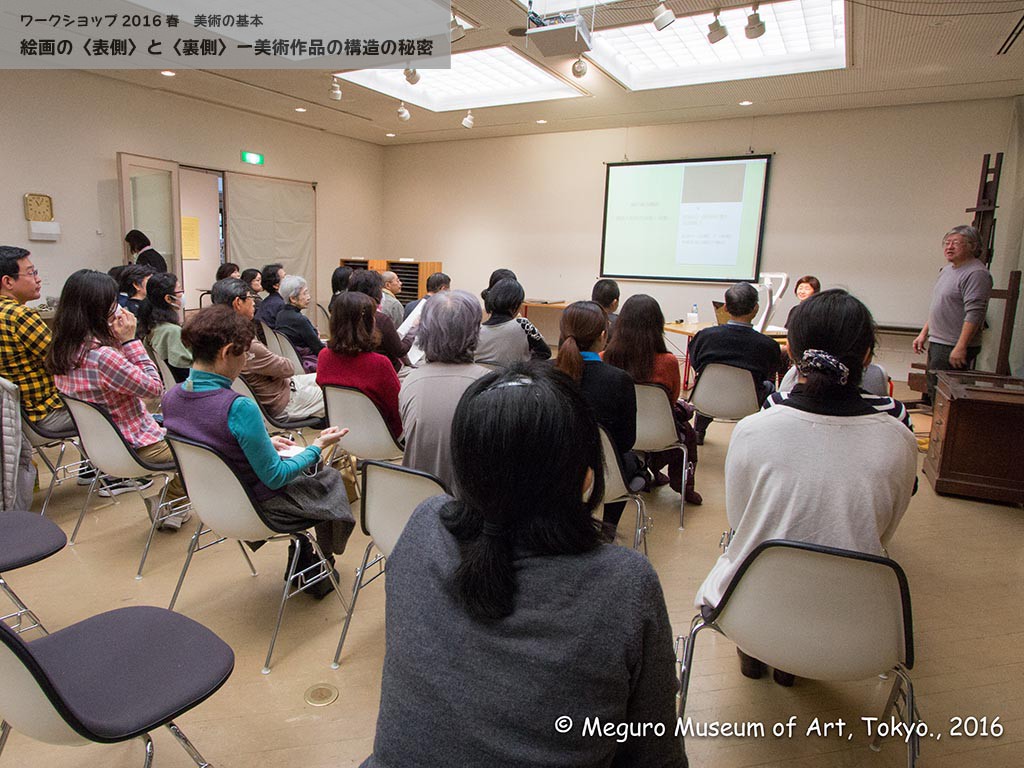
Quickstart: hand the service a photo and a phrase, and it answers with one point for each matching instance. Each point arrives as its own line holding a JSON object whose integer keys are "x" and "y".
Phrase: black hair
{"x": 248, "y": 275}
{"x": 154, "y": 309}
{"x": 497, "y": 276}
{"x": 270, "y": 278}
{"x": 523, "y": 439}
{"x": 605, "y": 292}
{"x": 838, "y": 324}
{"x": 367, "y": 281}
{"x": 132, "y": 274}
{"x": 639, "y": 337}
{"x": 339, "y": 279}
{"x": 83, "y": 313}
{"x": 225, "y": 270}
{"x": 504, "y": 297}
{"x": 227, "y": 290}
{"x": 438, "y": 281}
{"x": 136, "y": 240}
{"x": 740, "y": 299}
{"x": 811, "y": 280}
{"x": 581, "y": 326}
{"x": 10, "y": 255}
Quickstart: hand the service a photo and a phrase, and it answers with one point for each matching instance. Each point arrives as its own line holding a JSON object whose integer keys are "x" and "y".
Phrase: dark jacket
{"x": 296, "y": 326}
{"x": 268, "y": 309}
{"x": 740, "y": 346}
{"x": 151, "y": 258}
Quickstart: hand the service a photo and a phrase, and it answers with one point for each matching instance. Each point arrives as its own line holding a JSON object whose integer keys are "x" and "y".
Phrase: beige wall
{"x": 61, "y": 133}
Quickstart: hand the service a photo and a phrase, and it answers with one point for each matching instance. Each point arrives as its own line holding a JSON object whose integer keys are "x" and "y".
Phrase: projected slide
{"x": 685, "y": 219}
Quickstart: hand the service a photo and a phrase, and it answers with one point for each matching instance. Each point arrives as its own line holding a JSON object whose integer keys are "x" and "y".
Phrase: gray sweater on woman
{"x": 589, "y": 638}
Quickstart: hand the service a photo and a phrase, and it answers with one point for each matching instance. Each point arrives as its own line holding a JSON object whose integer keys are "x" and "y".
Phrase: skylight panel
{"x": 484, "y": 78}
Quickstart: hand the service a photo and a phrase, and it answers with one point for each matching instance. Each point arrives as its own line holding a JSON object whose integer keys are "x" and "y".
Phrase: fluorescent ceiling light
{"x": 489, "y": 77}
{"x": 548, "y": 7}
{"x": 800, "y": 36}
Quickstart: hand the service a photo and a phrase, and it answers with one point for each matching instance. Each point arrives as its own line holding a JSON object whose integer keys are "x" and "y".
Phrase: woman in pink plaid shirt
{"x": 96, "y": 357}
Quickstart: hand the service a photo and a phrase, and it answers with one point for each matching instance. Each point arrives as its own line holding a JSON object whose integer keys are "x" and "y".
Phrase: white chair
{"x": 40, "y": 438}
{"x": 165, "y": 370}
{"x": 275, "y": 425}
{"x": 819, "y": 613}
{"x": 113, "y": 457}
{"x": 369, "y": 436}
{"x": 725, "y": 393}
{"x": 617, "y": 489}
{"x": 396, "y": 492}
{"x": 225, "y": 506}
{"x": 288, "y": 352}
{"x": 271, "y": 336}
{"x": 656, "y": 430}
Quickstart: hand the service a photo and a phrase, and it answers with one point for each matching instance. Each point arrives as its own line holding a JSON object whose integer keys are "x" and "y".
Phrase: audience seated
{"x": 270, "y": 377}
{"x": 270, "y": 280}
{"x": 227, "y": 269}
{"x": 737, "y": 344}
{"x": 608, "y": 390}
{"x": 24, "y": 342}
{"x": 349, "y": 359}
{"x": 606, "y": 293}
{"x": 874, "y": 388}
{"x": 639, "y": 349}
{"x": 254, "y": 280}
{"x": 504, "y": 337}
{"x": 207, "y": 410}
{"x": 448, "y": 333}
{"x": 133, "y": 280}
{"x": 438, "y": 281}
{"x": 390, "y": 305}
{"x": 160, "y": 323}
{"x": 387, "y": 340}
{"x": 339, "y": 284}
{"x": 824, "y": 466}
{"x": 296, "y": 326}
{"x": 505, "y": 611}
{"x": 96, "y": 357}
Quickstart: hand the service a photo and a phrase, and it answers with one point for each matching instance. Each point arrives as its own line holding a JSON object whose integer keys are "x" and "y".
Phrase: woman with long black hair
{"x": 160, "y": 323}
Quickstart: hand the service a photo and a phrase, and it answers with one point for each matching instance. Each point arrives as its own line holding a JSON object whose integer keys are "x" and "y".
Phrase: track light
{"x": 335, "y": 89}
{"x": 755, "y": 27}
{"x": 579, "y": 67}
{"x": 457, "y": 32}
{"x": 411, "y": 76}
{"x": 467, "y": 121}
{"x": 663, "y": 17}
{"x": 716, "y": 31}
{"x": 403, "y": 113}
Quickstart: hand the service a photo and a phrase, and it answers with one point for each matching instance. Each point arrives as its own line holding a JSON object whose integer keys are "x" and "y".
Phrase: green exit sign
{"x": 252, "y": 158}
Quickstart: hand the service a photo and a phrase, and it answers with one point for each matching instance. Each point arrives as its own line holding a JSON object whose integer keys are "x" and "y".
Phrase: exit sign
{"x": 252, "y": 158}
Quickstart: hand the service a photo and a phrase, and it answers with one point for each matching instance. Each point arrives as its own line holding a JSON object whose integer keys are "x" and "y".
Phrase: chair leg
{"x": 352, "y": 604}
{"x": 890, "y": 702}
{"x": 682, "y": 493}
{"x": 197, "y": 758}
{"x": 153, "y": 525}
{"x": 326, "y": 565}
{"x": 85, "y": 507}
{"x": 686, "y": 663}
{"x": 910, "y": 717}
{"x": 288, "y": 578}
{"x": 23, "y": 610}
{"x": 148, "y": 762}
{"x": 192, "y": 546}
{"x": 53, "y": 474}
{"x": 5, "y": 730}
{"x": 245, "y": 554}
{"x": 640, "y": 537}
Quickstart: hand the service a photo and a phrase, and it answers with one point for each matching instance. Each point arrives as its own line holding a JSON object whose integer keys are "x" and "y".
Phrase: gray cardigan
{"x": 589, "y": 638}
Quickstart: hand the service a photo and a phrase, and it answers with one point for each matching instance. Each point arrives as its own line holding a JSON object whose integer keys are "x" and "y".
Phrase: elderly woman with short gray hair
{"x": 448, "y": 333}
{"x": 294, "y": 325}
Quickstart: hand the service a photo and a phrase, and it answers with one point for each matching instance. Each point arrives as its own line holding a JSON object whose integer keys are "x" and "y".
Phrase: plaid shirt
{"x": 24, "y": 341}
{"x": 118, "y": 379}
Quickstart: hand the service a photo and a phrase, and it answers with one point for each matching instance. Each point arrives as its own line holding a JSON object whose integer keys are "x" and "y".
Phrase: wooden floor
{"x": 965, "y": 562}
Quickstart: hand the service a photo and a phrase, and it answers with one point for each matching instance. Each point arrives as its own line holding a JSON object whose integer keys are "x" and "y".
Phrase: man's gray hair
{"x": 449, "y": 327}
{"x": 970, "y": 236}
{"x": 741, "y": 299}
{"x": 291, "y": 286}
{"x": 227, "y": 290}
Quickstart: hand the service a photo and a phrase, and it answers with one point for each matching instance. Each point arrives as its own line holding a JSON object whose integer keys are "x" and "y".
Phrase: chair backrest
{"x": 27, "y": 699}
{"x": 245, "y": 390}
{"x": 390, "y": 495}
{"x": 271, "y": 336}
{"x": 819, "y": 612}
{"x": 102, "y": 441}
{"x": 218, "y": 496}
{"x": 615, "y": 488}
{"x": 288, "y": 352}
{"x": 161, "y": 365}
{"x": 325, "y": 318}
{"x": 655, "y": 424}
{"x": 369, "y": 436}
{"x": 725, "y": 392}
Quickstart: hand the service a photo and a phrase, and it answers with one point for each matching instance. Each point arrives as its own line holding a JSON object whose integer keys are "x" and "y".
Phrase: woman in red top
{"x": 638, "y": 347}
{"x": 348, "y": 360}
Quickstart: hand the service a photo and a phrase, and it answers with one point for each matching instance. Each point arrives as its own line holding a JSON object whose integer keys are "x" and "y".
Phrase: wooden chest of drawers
{"x": 976, "y": 447}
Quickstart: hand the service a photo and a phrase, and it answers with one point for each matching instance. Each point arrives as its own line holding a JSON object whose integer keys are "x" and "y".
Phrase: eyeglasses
{"x": 31, "y": 273}
{"x": 177, "y": 293}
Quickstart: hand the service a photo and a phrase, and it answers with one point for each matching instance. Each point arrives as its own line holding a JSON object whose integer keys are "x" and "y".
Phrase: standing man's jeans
{"x": 938, "y": 360}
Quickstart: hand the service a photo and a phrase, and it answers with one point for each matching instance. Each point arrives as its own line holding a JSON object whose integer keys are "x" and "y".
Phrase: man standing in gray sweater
{"x": 957, "y": 313}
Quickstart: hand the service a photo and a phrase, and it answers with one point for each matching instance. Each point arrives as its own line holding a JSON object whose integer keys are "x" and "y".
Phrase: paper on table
{"x": 289, "y": 451}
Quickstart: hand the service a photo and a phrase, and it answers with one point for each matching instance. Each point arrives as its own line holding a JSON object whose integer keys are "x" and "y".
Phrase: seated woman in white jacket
{"x": 822, "y": 466}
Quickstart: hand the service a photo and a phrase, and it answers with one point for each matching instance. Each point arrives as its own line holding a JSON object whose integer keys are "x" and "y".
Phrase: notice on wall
{"x": 190, "y": 238}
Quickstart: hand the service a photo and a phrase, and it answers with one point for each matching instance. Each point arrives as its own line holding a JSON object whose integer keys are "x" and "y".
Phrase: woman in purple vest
{"x": 205, "y": 409}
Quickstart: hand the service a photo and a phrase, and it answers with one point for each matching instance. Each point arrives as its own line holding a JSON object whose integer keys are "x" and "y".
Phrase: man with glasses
{"x": 24, "y": 342}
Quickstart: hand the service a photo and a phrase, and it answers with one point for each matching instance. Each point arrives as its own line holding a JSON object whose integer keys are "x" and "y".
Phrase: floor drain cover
{"x": 321, "y": 694}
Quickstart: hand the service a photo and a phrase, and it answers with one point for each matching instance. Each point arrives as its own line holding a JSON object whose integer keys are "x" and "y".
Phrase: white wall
{"x": 861, "y": 198}
{"x": 200, "y": 199}
{"x": 61, "y": 133}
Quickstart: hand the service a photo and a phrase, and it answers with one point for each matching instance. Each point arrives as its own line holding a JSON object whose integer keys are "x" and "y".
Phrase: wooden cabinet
{"x": 413, "y": 274}
{"x": 976, "y": 447}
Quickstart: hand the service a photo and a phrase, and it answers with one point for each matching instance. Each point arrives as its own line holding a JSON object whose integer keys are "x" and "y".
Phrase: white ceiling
{"x": 892, "y": 58}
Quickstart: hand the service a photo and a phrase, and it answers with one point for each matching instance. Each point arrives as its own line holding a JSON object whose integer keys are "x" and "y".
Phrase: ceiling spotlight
{"x": 716, "y": 32}
{"x": 467, "y": 121}
{"x": 579, "y": 67}
{"x": 745, "y": 103}
{"x": 390, "y": 135}
{"x": 457, "y": 32}
{"x": 411, "y": 76}
{"x": 168, "y": 73}
{"x": 300, "y": 109}
{"x": 755, "y": 27}
{"x": 403, "y": 113}
{"x": 663, "y": 17}
{"x": 541, "y": 122}
{"x": 335, "y": 89}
